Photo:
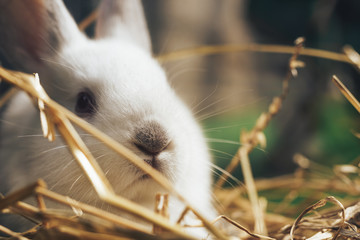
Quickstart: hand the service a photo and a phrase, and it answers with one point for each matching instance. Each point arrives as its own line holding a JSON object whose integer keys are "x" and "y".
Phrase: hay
{"x": 242, "y": 208}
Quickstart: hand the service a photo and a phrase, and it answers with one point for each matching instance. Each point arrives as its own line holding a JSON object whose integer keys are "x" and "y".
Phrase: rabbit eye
{"x": 85, "y": 104}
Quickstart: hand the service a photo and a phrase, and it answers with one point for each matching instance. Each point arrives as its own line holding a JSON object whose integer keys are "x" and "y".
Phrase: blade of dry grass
{"x": 84, "y": 157}
{"x": 47, "y": 124}
{"x": 346, "y": 93}
{"x": 19, "y": 194}
{"x": 56, "y": 219}
{"x": 353, "y": 56}
{"x": 242, "y": 227}
{"x": 260, "y": 226}
{"x": 92, "y": 210}
{"x": 161, "y": 207}
{"x": 15, "y": 235}
{"x": 66, "y": 232}
{"x": 88, "y": 20}
{"x": 40, "y": 190}
{"x": 263, "y": 48}
{"x": 7, "y": 96}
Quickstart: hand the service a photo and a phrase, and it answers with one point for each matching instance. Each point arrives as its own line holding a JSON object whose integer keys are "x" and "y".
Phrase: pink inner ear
{"x": 29, "y": 26}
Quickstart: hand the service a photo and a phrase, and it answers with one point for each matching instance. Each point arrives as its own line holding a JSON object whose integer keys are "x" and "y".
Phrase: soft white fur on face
{"x": 130, "y": 90}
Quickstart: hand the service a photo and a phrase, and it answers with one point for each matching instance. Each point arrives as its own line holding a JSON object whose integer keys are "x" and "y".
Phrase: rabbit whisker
{"x": 60, "y": 64}
{"x": 73, "y": 184}
{"x": 214, "y": 103}
{"x": 206, "y": 98}
{"x": 35, "y": 135}
{"x": 224, "y": 127}
{"x": 51, "y": 149}
{"x": 217, "y": 140}
{"x": 216, "y": 169}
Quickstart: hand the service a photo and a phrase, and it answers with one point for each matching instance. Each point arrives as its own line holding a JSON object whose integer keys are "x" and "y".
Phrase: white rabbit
{"x": 111, "y": 81}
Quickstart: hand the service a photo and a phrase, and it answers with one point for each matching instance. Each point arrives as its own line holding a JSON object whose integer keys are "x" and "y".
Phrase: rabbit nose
{"x": 151, "y": 138}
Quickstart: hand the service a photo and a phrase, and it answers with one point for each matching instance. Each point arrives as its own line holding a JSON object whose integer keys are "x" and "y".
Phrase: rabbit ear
{"x": 33, "y": 29}
{"x": 123, "y": 19}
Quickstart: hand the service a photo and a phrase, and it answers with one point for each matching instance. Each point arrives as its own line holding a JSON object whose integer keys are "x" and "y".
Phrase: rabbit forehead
{"x": 114, "y": 64}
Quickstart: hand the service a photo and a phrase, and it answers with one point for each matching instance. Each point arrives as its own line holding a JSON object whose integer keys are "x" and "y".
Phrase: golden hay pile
{"x": 244, "y": 211}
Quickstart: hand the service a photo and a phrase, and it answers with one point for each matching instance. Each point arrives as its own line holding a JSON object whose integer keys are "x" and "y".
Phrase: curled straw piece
{"x": 315, "y": 206}
{"x": 62, "y": 117}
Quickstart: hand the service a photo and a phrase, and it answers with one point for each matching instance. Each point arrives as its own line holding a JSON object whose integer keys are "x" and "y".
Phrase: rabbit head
{"x": 111, "y": 81}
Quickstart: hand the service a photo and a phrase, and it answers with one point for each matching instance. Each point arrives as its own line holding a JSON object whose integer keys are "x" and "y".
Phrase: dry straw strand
{"x": 19, "y": 195}
{"x": 88, "y": 20}
{"x": 65, "y": 231}
{"x": 91, "y": 210}
{"x": 39, "y": 189}
{"x": 242, "y": 227}
{"x": 343, "y": 89}
{"x": 161, "y": 207}
{"x": 47, "y": 124}
{"x": 262, "y": 48}
{"x": 15, "y": 235}
{"x": 353, "y": 56}
{"x": 10, "y": 93}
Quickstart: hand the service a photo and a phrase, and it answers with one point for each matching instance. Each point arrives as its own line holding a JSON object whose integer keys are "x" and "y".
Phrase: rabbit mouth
{"x": 145, "y": 177}
{"x": 154, "y": 163}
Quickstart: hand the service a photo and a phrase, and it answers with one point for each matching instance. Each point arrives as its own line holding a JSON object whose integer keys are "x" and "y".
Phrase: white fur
{"x": 130, "y": 89}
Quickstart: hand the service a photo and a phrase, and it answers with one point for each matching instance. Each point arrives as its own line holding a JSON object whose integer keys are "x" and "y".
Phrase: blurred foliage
{"x": 337, "y": 143}
{"x": 334, "y": 141}
{"x": 223, "y": 133}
